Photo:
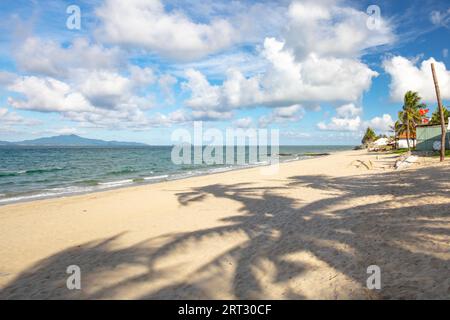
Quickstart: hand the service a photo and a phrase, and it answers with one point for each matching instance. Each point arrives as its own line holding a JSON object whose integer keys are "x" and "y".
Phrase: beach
{"x": 309, "y": 231}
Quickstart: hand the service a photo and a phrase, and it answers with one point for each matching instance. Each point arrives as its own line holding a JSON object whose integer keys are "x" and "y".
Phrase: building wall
{"x": 403, "y": 143}
{"x": 426, "y": 136}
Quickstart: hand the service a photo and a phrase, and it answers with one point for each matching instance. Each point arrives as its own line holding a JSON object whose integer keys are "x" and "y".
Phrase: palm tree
{"x": 369, "y": 136}
{"x": 410, "y": 115}
{"x": 436, "y": 116}
{"x": 398, "y": 127}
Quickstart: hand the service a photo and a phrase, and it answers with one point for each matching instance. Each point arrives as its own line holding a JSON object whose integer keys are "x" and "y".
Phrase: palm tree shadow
{"x": 408, "y": 240}
{"x": 390, "y": 236}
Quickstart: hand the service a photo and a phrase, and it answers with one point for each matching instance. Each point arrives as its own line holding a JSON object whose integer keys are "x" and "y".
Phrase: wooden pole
{"x": 441, "y": 111}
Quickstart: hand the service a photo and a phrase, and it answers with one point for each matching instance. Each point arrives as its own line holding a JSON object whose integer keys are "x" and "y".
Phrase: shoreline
{"x": 151, "y": 181}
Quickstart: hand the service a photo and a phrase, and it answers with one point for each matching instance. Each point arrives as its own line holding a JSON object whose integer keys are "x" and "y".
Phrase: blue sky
{"x": 320, "y": 71}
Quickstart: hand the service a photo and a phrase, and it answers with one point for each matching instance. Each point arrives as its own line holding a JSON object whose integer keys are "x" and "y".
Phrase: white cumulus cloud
{"x": 341, "y": 124}
{"x": 13, "y": 118}
{"x": 243, "y": 123}
{"x": 381, "y": 124}
{"x": 97, "y": 98}
{"x": 282, "y": 114}
{"x": 147, "y": 24}
{"x": 328, "y": 28}
{"x": 284, "y": 83}
{"x": 46, "y": 94}
{"x": 47, "y": 57}
{"x": 406, "y": 75}
{"x": 348, "y": 118}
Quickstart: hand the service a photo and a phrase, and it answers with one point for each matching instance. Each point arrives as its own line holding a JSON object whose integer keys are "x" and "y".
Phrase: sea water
{"x": 28, "y": 173}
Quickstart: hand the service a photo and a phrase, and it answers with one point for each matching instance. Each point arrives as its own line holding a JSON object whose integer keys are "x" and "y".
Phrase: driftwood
{"x": 362, "y": 164}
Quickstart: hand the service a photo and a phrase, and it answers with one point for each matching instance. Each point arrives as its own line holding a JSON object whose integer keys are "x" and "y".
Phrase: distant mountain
{"x": 73, "y": 140}
{"x": 5, "y": 143}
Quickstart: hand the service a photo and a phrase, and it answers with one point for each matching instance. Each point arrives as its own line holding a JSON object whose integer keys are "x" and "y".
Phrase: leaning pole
{"x": 441, "y": 111}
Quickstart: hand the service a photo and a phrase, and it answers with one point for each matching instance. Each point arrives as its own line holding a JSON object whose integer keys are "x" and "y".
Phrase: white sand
{"x": 309, "y": 232}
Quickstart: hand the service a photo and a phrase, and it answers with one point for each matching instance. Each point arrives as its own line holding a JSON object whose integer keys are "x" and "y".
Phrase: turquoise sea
{"x": 28, "y": 173}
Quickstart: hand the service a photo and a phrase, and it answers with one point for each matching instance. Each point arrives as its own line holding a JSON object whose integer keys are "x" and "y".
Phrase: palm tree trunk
{"x": 441, "y": 112}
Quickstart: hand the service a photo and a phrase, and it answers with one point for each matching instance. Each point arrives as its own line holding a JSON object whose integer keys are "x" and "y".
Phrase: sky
{"x": 320, "y": 71}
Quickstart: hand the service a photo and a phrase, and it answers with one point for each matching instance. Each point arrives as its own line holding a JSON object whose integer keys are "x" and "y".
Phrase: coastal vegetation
{"x": 436, "y": 116}
{"x": 369, "y": 136}
{"x": 410, "y": 116}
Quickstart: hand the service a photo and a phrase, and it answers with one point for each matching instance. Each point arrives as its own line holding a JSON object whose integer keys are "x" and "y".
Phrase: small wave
{"x": 260, "y": 163}
{"x": 156, "y": 177}
{"x": 32, "y": 171}
{"x": 177, "y": 176}
{"x": 61, "y": 191}
{"x": 120, "y": 172}
{"x": 9, "y": 174}
{"x": 29, "y": 197}
{"x": 14, "y": 173}
{"x": 90, "y": 182}
{"x": 70, "y": 189}
{"x": 217, "y": 170}
{"x": 116, "y": 183}
{"x": 47, "y": 193}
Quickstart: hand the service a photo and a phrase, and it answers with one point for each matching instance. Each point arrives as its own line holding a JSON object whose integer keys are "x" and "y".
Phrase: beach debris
{"x": 285, "y": 154}
{"x": 362, "y": 164}
{"x": 405, "y": 162}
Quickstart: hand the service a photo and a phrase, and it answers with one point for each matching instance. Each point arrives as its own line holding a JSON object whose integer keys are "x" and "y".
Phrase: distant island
{"x": 71, "y": 140}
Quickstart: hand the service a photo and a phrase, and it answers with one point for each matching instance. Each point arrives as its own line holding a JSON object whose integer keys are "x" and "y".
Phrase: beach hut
{"x": 402, "y": 142}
